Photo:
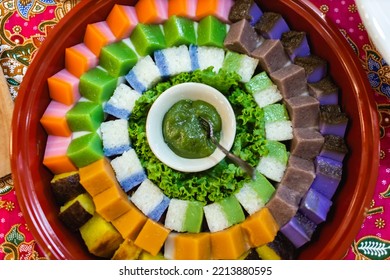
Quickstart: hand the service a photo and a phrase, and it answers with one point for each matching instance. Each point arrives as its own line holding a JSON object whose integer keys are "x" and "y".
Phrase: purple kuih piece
{"x": 295, "y": 43}
{"x": 242, "y": 37}
{"x": 315, "y": 67}
{"x": 325, "y": 90}
{"x": 334, "y": 147}
{"x": 245, "y": 9}
{"x": 271, "y": 55}
{"x": 332, "y": 120}
{"x": 315, "y": 206}
{"x": 328, "y": 176}
{"x": 299, "y": 230}
{"x": 271, "y": 26}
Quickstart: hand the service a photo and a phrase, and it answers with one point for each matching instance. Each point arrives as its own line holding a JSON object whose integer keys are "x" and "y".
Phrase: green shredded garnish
{"x": 223, "y": 179}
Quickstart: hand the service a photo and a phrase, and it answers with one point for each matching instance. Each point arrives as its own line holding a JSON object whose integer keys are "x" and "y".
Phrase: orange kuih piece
{"x": 55, "y": 157}
{"x": 130, "y": 223}
{"x": 112, "y": 203}
{"x": 54, "y": 119}
{"x": 97, "y": 177}
{"x": 97, "y": 36}
{"x": 152, "y": 237}
{"x": 79, "y": 59}
{"x": 122, "y": 20}
{"x": 64, "y": 87}
{"x": 218, "y": 8}
{"x": 152, "y": 11}
{"x": 228, "y": 244}
{"x": 182, "y": 8}
{"x": 260, "y": 228}
{"x": 192, "y": 246}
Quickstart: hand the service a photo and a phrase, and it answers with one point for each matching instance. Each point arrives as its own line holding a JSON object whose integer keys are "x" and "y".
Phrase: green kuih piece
{"x": 193, "y": 217}
{"x": 211, "y": 32}
{"x": 117, "y": 58}
{"x": 262, "y": 187}
{"x": 259, "y": 83}
{"x": 147, "y": 38}
{"x": 179, "y": 31}
{"x": 85, "y": 150}
{"x": 85, "y": 116}
{"x": 275, "y": 112}
{"x": 232, "y": 209}
{"x": 97, "y": 85}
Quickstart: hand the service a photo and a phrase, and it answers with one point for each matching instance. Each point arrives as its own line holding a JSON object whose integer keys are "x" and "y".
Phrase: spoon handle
{"x": 243, "y": 164}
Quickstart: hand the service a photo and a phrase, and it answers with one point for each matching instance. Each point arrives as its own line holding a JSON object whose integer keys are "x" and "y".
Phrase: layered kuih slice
{"x": 98, "y": 35}
{"x": 325, "y": 91}
{"x": 76, "y": 212}
{"x": 332, "y": 120}
{"x": 79, "y": 59}
{"x": 316, "y": 68}
{"x": 184, "y": 216}
{"x": 278, "y": 126}
{"x": 179, "y": 31}
{"x": 64, "y": 87}
{"x": 121, "y": 103}
{"x": 115, "y": 137}
{"x": 241, "y": 64}
{"x": 150, "y": 200}
{"x": 128, "y": 170}
{"x": 334, "y": 147}
{"x": 152, "y": 11}
{"x": 54, "y": 119}
{"x": 271, "y": 25}
{"x": 223, "y": 214}
{"x": 217, "y": 8}
{"x": 100, "y": 237}
{"x": 245, "y": 9}
{"x": 274, "y": 163}
{"x": 172, "y": 61}
{"x": 255, "y": 194}
{"x": 144, "y": 75}
{"x": 182, "y": 8}
{"x": 122, "y": 19}
{"x": 296, "y": 44}
{"x": 263, "y": 90}
{"x": 203, "y": 57}
{"x": 118, "y": 58}
{"x": 66, "y": 186}
{"x": 188, "y": 246}
{"x": 279, "y": 249}
{"x": 56, "y": 158}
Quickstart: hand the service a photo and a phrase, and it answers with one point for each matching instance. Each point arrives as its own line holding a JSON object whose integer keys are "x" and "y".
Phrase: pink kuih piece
{"x": 328, "y": 176}
{"x": 54, "y": 119}
{"x": 152, "y": 11}
{"x": 122, "y": 19}
{"x": 299, "y": 230}
{"x": 64, "y": 87}
{"x": 79, "y": 59}
{"x": 55, "y": 157}
{"x": 97, "y": 36}
{"x": 182, "y": 8}
{"x": 218, "y": 8}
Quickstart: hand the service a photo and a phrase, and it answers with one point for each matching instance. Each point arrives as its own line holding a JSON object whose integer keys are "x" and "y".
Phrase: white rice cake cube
{"x": 279, "y": 131}
{"x": 115, "y": 137}
{"x": 264, "y": 91}
{"x": 128, "y": 170}
{"x": 203, "y": 57}
{"x": 150, "y": 200}
{"x": 173, "y": 61}
{"x": 274, "y": 164}
{"x": 122, "y": 102}
{"x": 144, "y": 75}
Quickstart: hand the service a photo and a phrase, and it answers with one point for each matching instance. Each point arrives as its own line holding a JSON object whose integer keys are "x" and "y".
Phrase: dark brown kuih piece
{"x": 284, "y": 204}
{"x": 306, "y": 143}
{"x": 299, "y": 175}
{"x": 290, "y": 80}
{"x": 315, "y": 67}
{"x": 66, "y": 186}
{"x": 271, "y": 55}
{"x": 271, "y": 26}
{"x": 295, "y": 44}
{"x": 245, "y": 9}
{"x": 74, "y": 216}
{"x": 303, "y": 111}
{"x": 242, "y": 38}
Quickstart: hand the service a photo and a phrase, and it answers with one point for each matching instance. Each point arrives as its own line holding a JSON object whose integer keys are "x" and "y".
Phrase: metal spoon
{"x": 208, "y": 126}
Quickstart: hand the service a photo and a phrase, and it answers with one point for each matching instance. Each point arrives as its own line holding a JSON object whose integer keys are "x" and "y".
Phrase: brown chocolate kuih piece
{"x": 306, "y": 143}
{"x": 66, "y": 186}
{"x": 271, "y": 55}
{"x": 242, "y": 38}
{"x": 303, "y": 110}
{"x": 290, "y": 80}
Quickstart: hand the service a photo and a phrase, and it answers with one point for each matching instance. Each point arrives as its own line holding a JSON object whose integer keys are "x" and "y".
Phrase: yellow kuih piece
{"x": 100, "y": 237}
{"x": 228, "y": 244}
{"x": 112, "y": 203}
{"x": 260, "y": 228}
{"x": 188, "y": 246}
{"x": 130, "y": 223}
{"x": 152, "y": 237}
{"x": 127, "y": 251}
{"x": 97, "y": 177}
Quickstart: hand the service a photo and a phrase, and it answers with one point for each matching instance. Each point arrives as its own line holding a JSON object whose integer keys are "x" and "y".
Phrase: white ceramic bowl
{"x": 192, "y": 91}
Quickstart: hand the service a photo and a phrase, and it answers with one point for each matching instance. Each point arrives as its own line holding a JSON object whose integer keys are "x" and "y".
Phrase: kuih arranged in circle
{"x": 128, "y": 204}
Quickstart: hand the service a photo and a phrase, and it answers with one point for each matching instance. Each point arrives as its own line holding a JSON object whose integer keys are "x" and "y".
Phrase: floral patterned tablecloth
{"x": 24, "y": 24}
